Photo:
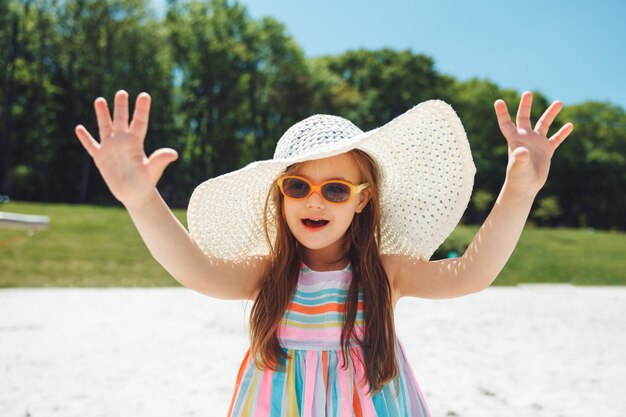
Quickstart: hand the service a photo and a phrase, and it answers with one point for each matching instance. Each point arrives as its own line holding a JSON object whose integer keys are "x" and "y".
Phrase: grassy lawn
{"x": 92, "y": 246}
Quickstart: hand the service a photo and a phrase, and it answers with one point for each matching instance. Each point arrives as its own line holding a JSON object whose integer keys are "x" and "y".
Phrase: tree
{"x": 591, "y": 169}
{"x": 9, "y": 52}
{"x": 242, "y": 83}
{"x": 67, "y": 54}
{"x": 382, "y": 83}
{"x": 225, "y": 87}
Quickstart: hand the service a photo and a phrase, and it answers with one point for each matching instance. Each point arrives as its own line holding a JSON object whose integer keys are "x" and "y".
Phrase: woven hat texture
{"x": 427, "y": 175}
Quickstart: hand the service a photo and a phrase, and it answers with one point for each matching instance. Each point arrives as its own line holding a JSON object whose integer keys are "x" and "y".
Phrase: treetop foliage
{"x": 225, "y": 87}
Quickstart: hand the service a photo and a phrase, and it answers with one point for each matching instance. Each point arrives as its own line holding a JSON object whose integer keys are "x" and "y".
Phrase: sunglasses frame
{"x": 354, "y": 189}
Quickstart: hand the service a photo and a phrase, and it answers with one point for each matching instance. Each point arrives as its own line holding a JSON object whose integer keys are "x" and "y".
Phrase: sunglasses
{"x": 333, "y": 191}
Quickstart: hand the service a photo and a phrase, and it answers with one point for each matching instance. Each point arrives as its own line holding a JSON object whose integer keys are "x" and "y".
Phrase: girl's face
{"x": 324, "y": 242}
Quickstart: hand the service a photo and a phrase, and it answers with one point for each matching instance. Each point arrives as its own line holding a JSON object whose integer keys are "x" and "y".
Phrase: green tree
{"x": 9, "y": 54}
{"x": 591, "y": 170}
{"x": 242, "y": 83}
{"x": 474, "y": 100}
{"x": 105, "y": 45}
{"x": 63, "y": 55}
{"x": 549, "y": 209}
{"x": 225, "y": 87}
{"x": 382, "y": 84}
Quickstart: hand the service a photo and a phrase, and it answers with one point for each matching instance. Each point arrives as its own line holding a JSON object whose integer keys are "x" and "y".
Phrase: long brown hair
{"x": 362, "y": 241}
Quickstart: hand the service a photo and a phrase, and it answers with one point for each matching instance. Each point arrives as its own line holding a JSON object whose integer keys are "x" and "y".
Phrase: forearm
{"x": 494, "y": 242}
{"x": 168, "y": 241}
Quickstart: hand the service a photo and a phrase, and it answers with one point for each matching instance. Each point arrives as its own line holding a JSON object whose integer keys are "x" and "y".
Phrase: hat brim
{"x": 427, "y": 175}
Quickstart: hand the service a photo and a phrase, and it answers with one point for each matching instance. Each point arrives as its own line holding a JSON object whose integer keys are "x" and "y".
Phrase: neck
{"x": 324, "y": 260}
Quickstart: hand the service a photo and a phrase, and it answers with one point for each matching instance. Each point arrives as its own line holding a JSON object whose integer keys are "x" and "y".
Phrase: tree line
{"x": 225, "y": 87}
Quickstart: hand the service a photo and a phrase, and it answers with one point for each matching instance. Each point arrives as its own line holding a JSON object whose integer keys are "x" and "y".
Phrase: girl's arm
{"x": 530, "y": 153}
{"x": 132, "y": 176}
{"x": 481, "y": 263}
{"x": 171, "y": 245}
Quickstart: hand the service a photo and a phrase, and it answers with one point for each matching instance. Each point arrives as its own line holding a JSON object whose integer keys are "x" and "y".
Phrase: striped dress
{"x": 314, "y": 384}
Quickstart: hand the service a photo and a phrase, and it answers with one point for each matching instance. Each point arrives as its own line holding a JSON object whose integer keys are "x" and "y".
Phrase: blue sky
{"x": 569, "y": 50}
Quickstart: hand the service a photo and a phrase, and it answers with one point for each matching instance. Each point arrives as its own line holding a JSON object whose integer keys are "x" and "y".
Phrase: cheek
{"x": 346, "y": 215}
{"x": 289, "y": 213}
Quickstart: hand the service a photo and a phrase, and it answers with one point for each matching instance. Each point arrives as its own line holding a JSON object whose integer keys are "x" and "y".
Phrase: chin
{"x": 312, "y": 243}
{"x": 308, "y": 244}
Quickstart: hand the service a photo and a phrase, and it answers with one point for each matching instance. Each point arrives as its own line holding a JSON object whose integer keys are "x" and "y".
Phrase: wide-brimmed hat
{"x": 427, "y": 175}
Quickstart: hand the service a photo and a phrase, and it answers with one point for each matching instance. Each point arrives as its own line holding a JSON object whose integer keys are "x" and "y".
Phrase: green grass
{"x": 83, "y": 246}
{"x": 92, "y": 246}
{"x": 562, "y": 255}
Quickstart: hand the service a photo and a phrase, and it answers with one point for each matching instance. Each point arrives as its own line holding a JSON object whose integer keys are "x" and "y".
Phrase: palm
{"x": 120, "y": 156}
{"x": 530, "y": 151}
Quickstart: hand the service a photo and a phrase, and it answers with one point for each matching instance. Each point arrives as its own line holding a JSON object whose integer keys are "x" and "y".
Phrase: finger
{"x": 120, "y": 112}
{"x": 139, "y": 125}
{"x": 159, "y": 160}
{"x": 521, "y": 156}
{"x": 105, "y": 125}
{"x": 523, "y": 112}
{"x": 543, "y": 125}
{"x": 504, "y": 118}
{"x": 88, "y": 142}
{"x": 560, "y": 136}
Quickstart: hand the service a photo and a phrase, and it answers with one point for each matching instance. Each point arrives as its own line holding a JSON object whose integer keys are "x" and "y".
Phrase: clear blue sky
{"x": 569, "y": 50}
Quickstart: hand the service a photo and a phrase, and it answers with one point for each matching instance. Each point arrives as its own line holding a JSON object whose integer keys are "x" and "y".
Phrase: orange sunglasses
{"x": 332, "y": 191}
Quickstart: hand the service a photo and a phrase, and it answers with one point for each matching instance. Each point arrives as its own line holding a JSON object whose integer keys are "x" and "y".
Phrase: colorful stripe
{"x": 315, "y": 382}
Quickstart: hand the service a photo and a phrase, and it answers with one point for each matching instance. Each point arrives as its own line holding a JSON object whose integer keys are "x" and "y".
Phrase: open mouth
{"x": 314, "y": 223}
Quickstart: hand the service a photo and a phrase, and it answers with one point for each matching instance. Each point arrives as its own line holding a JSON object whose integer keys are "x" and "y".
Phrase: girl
{"x": 326, "y": 237}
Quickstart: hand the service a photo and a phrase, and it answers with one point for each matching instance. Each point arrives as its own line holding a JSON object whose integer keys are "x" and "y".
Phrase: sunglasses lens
{"x": 336, "y": 192}
{"x": 295, "y": 188}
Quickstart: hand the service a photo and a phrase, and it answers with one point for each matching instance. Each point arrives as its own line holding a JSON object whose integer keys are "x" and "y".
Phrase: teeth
{"x": 317, "y": 222}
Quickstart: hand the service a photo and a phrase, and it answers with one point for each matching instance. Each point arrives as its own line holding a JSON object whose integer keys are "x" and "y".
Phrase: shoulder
{"x": 230, "y": 279}
{"x": 395, "y": 267}
{"x": 398, "y": 267}
{"x": 259, "y": 267}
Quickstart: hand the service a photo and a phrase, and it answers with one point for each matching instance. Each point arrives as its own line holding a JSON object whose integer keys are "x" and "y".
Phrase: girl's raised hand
{"x": 530, "y": 151}
{"x": 120, "y": 156}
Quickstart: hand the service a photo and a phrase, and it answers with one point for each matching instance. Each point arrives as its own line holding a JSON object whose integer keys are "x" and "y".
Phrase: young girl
{"x": 326, "y": 237}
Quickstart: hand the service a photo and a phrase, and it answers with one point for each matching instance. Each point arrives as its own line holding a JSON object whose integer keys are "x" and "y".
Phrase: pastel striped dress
{"x": 314, "y": 384}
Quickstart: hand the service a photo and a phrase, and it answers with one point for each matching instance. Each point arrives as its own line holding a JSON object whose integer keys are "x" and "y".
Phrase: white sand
{"x": 557, "y": 351}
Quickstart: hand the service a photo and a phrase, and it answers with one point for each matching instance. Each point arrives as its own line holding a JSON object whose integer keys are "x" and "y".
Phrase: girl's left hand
{"x": 530, "y": 150}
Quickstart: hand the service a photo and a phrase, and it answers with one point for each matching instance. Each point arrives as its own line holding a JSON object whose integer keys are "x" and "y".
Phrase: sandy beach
{"x": 532, "y": 350}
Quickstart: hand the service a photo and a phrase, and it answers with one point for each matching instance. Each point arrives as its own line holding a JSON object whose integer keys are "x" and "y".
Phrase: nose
{"x": 315, "y": 201}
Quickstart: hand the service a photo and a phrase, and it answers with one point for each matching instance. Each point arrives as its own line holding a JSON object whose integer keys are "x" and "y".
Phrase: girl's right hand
{"x": 120, "y": 157}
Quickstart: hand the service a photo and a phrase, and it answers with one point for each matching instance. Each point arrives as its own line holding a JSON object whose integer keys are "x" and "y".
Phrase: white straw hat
{"x": 427, "y": 175}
